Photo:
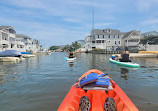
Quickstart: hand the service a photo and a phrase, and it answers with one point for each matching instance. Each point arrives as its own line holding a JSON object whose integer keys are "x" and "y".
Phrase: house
{"x": 35, "y": 45}
{"x": 7, "y": 38}
{"x": 154, "y": 33}
{"x": 26, "y": 40}
{"x": 88, "y": 42}
{"x": 20, "y": 45}
{"x": 108, "y": 39}
{"x": 29, "y": 44}
{"x": 131, "y": 39}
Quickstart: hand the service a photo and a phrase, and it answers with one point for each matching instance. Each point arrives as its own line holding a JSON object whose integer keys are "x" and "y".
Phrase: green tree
{"x": 54, "y": 47}
{"x": 66, "y": 48}
{"x": 152, "y": 40}
{"x": 76, "y": 45}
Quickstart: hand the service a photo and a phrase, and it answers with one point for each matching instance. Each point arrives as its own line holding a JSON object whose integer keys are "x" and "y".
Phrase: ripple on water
{"x": 41, "y": 83}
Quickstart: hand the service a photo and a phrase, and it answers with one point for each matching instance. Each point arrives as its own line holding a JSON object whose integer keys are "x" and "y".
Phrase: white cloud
{"x": 152, "y": 21}
{"x": 104, "y": 24}
{"x": 71, "y": 20}
{"x": 145, "y": 5}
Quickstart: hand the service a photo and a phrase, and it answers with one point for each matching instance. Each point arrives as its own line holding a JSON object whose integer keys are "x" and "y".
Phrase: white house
{"x": 108, "y": 39}
{"x": 131, "y": 39}
{"x": 29, "y": 44}
{"x": 7, "y": 38}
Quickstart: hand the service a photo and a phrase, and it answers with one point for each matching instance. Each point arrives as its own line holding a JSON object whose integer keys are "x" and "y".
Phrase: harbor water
{"x": 41, "y": 83}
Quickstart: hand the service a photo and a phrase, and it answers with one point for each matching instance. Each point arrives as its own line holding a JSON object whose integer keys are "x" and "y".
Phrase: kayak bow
{"x": 97, "y": 97}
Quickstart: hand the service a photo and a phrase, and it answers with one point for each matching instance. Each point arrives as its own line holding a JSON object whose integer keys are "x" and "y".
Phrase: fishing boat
{"x": 96, "y": 91}
{"x": 128, "y": 64}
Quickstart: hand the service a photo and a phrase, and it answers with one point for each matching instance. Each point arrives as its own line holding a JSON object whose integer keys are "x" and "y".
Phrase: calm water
{"x": 41, "y": 83}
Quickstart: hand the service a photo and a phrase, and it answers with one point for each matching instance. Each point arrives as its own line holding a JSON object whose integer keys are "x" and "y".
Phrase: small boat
{"x": 96, "y": 91}
{"x": 129, "y": 64}
{"x": 25, "y": 53}
{"x": 69, "y": 59}
{"x": 10, "y": 53}
{"x": 11, "y": 59}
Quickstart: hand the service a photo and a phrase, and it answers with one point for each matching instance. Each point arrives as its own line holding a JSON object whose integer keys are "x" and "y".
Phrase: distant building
{"x": 9, "y": 40}
{"x": 108, "y": 39}
{"x": 155, "y": 33}
{"x": 131, "y": 39}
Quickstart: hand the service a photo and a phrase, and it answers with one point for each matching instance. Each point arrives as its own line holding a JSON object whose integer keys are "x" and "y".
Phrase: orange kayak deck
{"x": 97, "y": 98}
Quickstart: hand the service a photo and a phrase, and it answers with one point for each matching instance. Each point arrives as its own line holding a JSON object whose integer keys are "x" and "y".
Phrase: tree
{"x": 76, "y": 45}
{"x": 54, "y": 47}
{"x": 152, "y": 40}
{"x": 66, "y": 48}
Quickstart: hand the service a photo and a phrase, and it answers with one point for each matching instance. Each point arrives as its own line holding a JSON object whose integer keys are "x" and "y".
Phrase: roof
{"x": 129, "y": 33}
{"x": 22, "y": 36}
{"x": 6, "y": 27}
{"x": 105, "y": 32}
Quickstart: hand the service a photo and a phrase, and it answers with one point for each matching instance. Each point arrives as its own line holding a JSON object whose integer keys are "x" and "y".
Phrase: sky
{"x": 61, "y": 22}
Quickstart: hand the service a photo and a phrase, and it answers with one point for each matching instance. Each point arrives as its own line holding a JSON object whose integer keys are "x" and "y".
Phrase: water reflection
{"x": 71, "y": 64}
{"x": 124, "y": 73}
{"x": 37, "y": 83}
{"x": 8, "y": 75}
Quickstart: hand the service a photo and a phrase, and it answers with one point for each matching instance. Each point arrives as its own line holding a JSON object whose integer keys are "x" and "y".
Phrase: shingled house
{"x": 131, "y": 39}
{"x": 108, "y": 39}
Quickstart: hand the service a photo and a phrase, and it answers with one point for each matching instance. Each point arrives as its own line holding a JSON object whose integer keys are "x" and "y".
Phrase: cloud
{"x": 146, "y": 5}
{"x": 62, "y": 22}
{"x": 104, "y": 24}
{"x": 152, "y": 21}
{"x": 71, "y": 20}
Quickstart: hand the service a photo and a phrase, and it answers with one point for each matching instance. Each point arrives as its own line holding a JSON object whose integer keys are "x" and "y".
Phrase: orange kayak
{"x": 97, "y": 97}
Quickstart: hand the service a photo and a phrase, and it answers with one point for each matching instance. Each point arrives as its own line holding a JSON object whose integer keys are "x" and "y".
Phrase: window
{"x": 98, "y": 36}
{"x": 4, "y": 36}
{"x": 103, "y": 36}
{"x": 118, "y": 36}
{"x": 115, "y": 42}
{"x": 109, "y": 36}
{"x": 102, "y": 41}
{"x": 93, "y": 41}
{"x": 98, "y": 41}
{"x": 109, "y": 41}
{"x": 12, "y": 45}
{"x": 119, "y": 42}
{"x": 114, "y": 36}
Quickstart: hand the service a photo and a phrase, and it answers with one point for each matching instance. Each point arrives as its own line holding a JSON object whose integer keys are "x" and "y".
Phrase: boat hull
{"x": 128, "y": 64}
{"x": 97, "y": 97}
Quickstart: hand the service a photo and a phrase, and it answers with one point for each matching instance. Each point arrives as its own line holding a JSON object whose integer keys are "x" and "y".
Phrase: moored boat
{"x": 128, "y": 64}
{"x": 10, "y": 53}
{"x": 10, "y": 56}
{"x": 96, "y": 91}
